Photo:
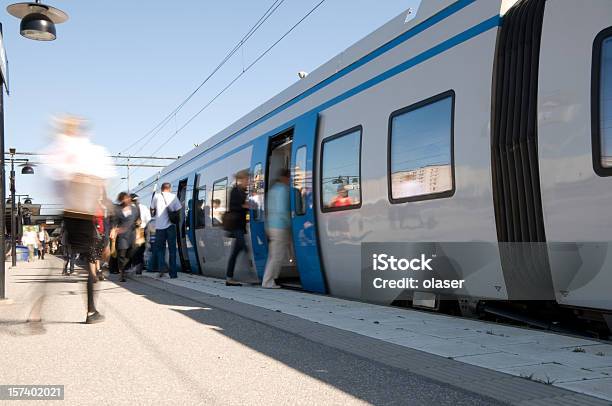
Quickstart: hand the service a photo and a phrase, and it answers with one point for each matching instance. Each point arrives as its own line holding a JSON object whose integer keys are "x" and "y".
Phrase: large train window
{"x": 219, "y": 202}
{"x": 258, "y": 187}
{"x": 421, "y": 150}
{"x": 199, "y": 213}
{"x": 341, "y": 171}
{"x": 602, "y": 103}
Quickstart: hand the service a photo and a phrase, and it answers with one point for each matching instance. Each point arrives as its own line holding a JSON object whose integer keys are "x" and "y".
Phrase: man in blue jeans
{"x": 165, "y": 231}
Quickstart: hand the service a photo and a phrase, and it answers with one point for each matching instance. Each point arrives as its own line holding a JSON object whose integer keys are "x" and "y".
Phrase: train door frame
{"x": 181, "y": 231}
{"x": 304, "y": 222}
{"x": 290, "y": 276}
{"x": 197, "y": 178}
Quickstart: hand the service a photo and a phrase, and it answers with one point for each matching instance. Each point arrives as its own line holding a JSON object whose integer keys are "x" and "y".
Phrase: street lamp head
{"x": 12, "y": 151}
{"x": 27, "y": 170}
{"x": 37, "y": 20}
{"x": 38, "y": 27}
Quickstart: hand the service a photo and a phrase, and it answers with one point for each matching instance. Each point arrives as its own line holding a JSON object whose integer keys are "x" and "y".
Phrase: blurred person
{"x": 234, "y": 222}
{"x": 103, "y": 226}
{"x": 140, "y": 240}
{"x": 113, "y": 266}
{"x": 200, "y": 213}
{"x": 80, "y": 170}
{"x": 67, "y": 253}
{"x": 69, "y": 259}
{"x": 30, "y": 240}
{"x": 278, "y": 229}
{"x": 217, "y": 218}
{"x": 43, "y": 239}
{"x": 126, "y": 221}
{"x": 165, "y": 203}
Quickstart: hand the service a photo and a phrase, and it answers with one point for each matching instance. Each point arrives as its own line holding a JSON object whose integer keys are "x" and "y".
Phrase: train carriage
{"x": 481, "y": 121}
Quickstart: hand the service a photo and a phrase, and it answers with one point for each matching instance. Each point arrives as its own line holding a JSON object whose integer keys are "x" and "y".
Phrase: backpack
{"x": 229, "y": 221}
{"x": 173, "y": 215}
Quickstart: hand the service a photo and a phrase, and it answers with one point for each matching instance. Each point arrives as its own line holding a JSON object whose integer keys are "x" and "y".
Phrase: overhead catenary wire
{"x": 170, "y": 158}
{"x": 261, "y": 56}
{"x": 230, "y": 84}
{"x": 130, "y": 165}
{"x": 161, "y": 125}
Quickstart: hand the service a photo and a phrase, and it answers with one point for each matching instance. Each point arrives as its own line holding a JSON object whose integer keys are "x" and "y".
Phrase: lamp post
{"x": 26, "y": 170}
{"x": 13, "y": 219}
{"x": 2, "y": 180}
{"x": 38, "y": 23}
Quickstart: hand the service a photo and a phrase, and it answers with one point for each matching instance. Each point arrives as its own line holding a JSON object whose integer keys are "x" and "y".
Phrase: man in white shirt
{"x": 165, "y": 231}
{"x": 43, "y": 239}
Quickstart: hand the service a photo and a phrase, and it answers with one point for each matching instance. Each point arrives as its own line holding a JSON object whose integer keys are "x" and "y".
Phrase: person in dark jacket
{"x": 236, "y": 216}
{"x": 126, "y": 221}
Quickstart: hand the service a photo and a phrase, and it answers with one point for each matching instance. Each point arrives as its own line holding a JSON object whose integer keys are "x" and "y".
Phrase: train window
{"x": 602, "y": 104}
{"x": 200, "y": 209}
{"x": 219, "y": 202}
{"x": 421, "y": 150}
{"x": 257, "y": 187}
{"x": 299, "y": 181}
{"x": 341, "y": 171}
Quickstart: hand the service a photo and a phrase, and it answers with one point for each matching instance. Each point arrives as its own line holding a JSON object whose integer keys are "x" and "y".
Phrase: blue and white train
{"x": 476, "y": 120}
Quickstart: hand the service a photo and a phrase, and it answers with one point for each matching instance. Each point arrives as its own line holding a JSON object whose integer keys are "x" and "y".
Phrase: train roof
{"x": 391, "y": 30}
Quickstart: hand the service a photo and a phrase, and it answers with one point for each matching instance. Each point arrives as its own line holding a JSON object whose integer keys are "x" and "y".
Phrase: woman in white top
{"x": 80, "y": 170}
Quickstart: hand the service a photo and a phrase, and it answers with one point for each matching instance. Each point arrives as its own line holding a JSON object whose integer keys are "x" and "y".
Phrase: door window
{"x": 219, "y": 202}
{"x": 300, "y": 178}
{"x": 341, "y": 171}
{"x": 199, "y": 214}
{"x": 257, "y": 189}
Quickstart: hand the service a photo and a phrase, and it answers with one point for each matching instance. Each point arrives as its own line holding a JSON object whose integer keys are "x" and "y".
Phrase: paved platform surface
{"x": 572, "y": 363}
{"x": 158, "y": 346}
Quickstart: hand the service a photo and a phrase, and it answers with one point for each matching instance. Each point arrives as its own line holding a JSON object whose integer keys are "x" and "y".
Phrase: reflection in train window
{"x": 200, "y": 209}
{"x": 420, "y": 156}
{"x": 341, "y": 171}
{"x": 219, "y": 202}
{"x": 299, "y": 181}
{"x": 257, "y": 188}
{"x": 605, "y": 97}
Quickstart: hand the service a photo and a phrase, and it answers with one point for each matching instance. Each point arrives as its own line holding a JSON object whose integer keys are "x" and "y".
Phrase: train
{"x": 482, "y": 122}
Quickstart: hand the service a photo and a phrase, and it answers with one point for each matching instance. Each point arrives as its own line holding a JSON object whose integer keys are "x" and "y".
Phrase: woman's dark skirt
{"x": 83, "y": 238}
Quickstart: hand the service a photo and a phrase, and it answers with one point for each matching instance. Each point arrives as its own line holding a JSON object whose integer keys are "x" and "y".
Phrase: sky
{"x": 125, "y": 65}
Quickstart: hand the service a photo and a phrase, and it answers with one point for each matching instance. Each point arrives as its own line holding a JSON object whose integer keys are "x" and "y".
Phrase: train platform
{"x": 192, "y": 340}
{"x": 484, "y": 356}
{"x": 158, "y": 347}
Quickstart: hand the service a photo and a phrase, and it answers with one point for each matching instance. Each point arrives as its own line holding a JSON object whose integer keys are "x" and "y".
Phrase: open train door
{"x": 304, "y": 228}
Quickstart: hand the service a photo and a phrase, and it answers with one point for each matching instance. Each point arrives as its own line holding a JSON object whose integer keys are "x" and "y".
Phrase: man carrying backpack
{"x": 166, "y": 208}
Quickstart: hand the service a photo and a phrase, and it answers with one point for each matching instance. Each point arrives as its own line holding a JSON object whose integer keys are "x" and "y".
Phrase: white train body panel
{"x": 576, "y": 200}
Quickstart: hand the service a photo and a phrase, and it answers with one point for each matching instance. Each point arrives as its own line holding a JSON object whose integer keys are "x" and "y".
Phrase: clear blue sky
{"x": 124, "y": 65}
